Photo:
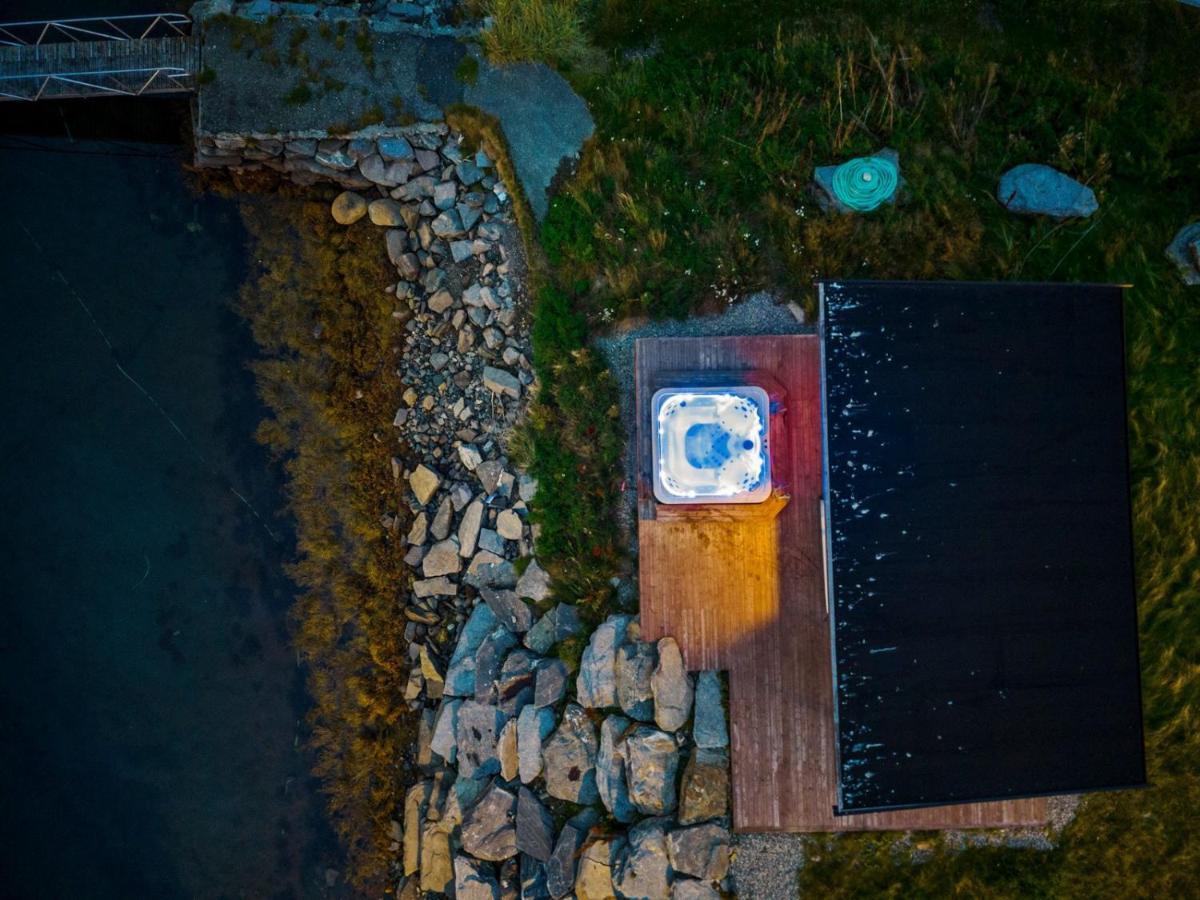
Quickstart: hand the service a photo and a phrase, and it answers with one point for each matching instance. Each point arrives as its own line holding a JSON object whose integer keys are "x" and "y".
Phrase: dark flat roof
{"x": 981, "y": 566}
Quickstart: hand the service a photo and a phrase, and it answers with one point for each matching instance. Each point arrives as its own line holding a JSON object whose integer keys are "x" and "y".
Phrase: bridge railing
{"x": 109, "y": 28}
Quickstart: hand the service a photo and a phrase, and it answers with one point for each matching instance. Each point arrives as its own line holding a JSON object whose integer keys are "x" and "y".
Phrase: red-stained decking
{"x": 741, "y": 588}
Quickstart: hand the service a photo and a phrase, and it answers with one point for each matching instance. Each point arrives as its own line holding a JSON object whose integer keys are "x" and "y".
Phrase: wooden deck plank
{"x": 746, "y": 594}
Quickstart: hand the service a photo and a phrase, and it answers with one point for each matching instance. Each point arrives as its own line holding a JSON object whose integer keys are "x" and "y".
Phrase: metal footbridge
{"x": 131, "y": 56}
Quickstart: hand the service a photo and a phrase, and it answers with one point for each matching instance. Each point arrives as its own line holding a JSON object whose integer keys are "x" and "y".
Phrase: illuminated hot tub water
{"x": 711, "y": 445}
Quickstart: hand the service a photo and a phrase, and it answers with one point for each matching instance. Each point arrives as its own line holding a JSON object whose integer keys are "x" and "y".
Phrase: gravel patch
{"x": 765, "y": 866}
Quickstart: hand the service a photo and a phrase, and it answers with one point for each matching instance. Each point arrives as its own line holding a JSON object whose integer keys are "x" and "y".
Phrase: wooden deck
{"x": 742, "y": 589}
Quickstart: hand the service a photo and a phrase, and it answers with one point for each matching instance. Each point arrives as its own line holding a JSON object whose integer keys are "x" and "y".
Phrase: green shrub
{"x": 546, "y": 30}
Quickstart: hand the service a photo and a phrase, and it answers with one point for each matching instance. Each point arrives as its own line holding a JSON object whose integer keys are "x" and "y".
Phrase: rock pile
{"x": 508, "y": 747}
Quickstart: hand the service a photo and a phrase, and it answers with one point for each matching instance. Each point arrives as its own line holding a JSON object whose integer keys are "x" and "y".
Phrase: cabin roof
{"x": 980, "y": 568}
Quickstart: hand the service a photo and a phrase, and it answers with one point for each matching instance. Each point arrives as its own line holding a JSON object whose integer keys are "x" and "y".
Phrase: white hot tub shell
{"x": 710, "y": 445}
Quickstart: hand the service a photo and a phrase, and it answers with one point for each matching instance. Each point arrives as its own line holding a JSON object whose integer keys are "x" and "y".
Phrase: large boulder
{"x": 535, "y": 826}
{"x": 479, "y": 726}
{"x": 705, "y": 791}
{"x": 424, "y": 482}
{"x": 569, "y": 757}
{"x": 1184, "y": 251}
{"x": 416, "y": 804}
{"x": 551, "y": 683}
{"x": 1034, "y": 189}
{"x": 460, "y": 676}
{"x": 557, "y": 625}
{"x": 533, "y": 727}
{"x": 348, "y": 207}
{"x": 468, "y": 529}
{"x": 445, "y": 730}
{"x": 652, "y": 761}
{"x": 514, "y": 687}
{"x": 709, "y": 730}
{"x": 564, "y": 861}
{"x": 634, "y": 667}
{"x": 672, "y": 687}
{"x": 701, "y": 851}
{"x": 488, "y": 831}
{"x": 641, "y": 868}
{"x": 474, "y": 880}
{"x": 596, "y": 685}
{"x": 511, "y": 610}
{"x": 611, "y": 783}
{"x": 387, "y": 213}
{"x": 690, "y": 889}
{"x": 489, "y": 659}
{"x": 534, "y": 583}
{"x": 593, "y": 880}
{"x": 442, "y": 559}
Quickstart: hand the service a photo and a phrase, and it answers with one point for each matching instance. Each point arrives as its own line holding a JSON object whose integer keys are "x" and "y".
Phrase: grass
{"x": 549, "y": 31}
{"x": 710, "y": 118}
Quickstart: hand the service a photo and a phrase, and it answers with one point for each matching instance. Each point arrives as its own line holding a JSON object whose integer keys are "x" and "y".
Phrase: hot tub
{"x": 711, "y": 445}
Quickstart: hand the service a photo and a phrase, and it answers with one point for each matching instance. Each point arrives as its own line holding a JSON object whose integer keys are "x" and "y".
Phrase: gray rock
{"x": 564, "y": 861}
{"x": 442, "y": 559}
{"x": 512, "y": 612}
{"x": 509, "y": 525}
{"x": 672, "y": 687}
{"x": 441, "y": 586}
{"x": 488, "y": 831}
{"x": 652, "y": 761}
{"x": 425, "y": 737}
{"x": 416, "y": 803}
{"x": 535, "y": 826}
{"x": 394, "y": 148}
{"x": 490, "y": 541}
{"x": 633, "y": 669}
{"x": 348, "y": 207}
{"x": 462, "y": 796}
{"x": 500, "y": 381}
{"x": 461, "y": 251}
{"x": 460, "y": 677}
{"x": 690, "y": 889}
{"x": 533, "y": 727}
{"x": 569, "y": 757}
{"x": 701, "y": 851}
{"x": 705, "y": 791}
{"x": 596, "y": 685}
{"x": 1184, "y": 251}
{"x": 489, "y": 659}
{"x": 543, "y": 120}
{"x": 440, "y": 302}
{"x": 489, "y": 570}
{"x": 557, "y": 625}
{"x": 424, "y": 482}
{"x": 468, "y": 528}
{"x": 469, "y": 456}
{"x": 550, "y": 685}
{"x": 641, "y": 868}
{"x": 437, "y": 869}
{"x": 397, "y": 248}
{"x": 445, "y": 731}
{"x": 444, "y": 194}
{"x": 594, "y": 881}
{"x": 474, "y": 880}
{"x": 1032, "y": 188}
{"x": 441, "y": 522}
{"x": 419, "y": 530}
{"x": 611, "y": 783}
{"x": 448, "y": 225}
{"x": 515, "y": 684}
{"x": 708, "y": 724}
{"x": 479, "y": 726}
{"x": 506, "y": 751}
{"x": 489, "y": 473}
{"x": 386, "y": 213}
{"x": 534, "y": 583}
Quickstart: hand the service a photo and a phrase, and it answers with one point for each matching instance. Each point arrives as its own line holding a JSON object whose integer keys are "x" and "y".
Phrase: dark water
{"x": 149, "y": 699}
